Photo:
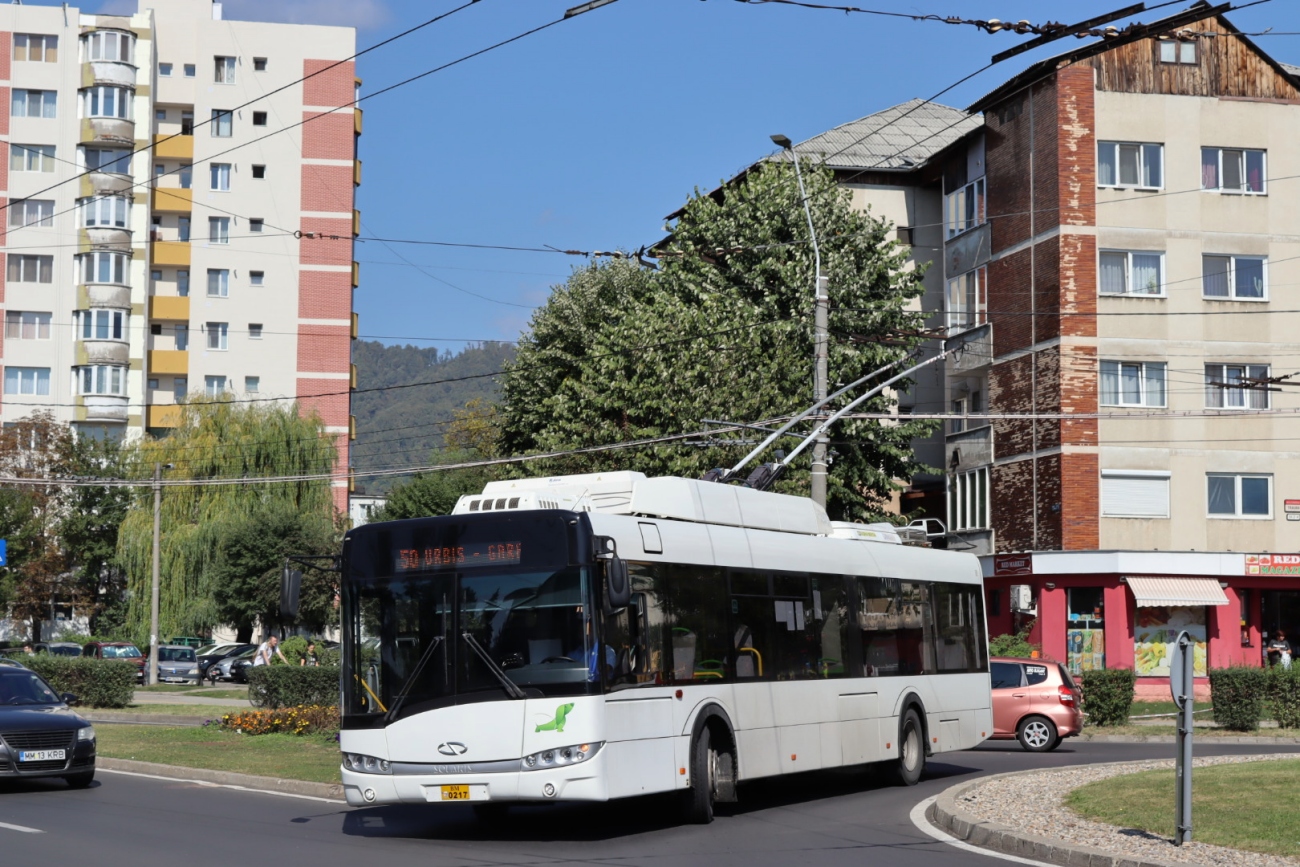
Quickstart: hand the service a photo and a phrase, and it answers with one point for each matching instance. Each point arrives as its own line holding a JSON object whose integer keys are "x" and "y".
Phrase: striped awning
{"x": 1151, "y": 592}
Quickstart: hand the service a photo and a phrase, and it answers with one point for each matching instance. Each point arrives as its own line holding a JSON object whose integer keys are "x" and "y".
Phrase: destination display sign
{"x": 458, "y": 556}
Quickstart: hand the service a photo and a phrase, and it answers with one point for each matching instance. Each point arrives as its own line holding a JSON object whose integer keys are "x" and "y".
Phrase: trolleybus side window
{"x": 959, "y": 624}
{"x": 895, "y": 626}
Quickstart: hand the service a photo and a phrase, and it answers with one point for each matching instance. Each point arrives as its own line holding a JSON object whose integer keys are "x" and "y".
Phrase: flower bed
{"x": 300, "y": 720}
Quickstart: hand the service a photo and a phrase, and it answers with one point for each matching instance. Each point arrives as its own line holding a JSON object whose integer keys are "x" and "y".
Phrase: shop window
{"x": 1156, "y": 632}
{"x": 1085, "y": 629}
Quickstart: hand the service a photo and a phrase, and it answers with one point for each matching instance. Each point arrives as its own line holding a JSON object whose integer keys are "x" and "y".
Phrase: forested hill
{"x": 398, "y": 427}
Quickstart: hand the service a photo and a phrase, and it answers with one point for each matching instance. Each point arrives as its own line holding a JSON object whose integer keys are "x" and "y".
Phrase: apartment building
{"x": 181, "y": 215}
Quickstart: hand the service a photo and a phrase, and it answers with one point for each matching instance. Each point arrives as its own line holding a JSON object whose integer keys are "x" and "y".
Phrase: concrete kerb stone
{"x": 947, "y": 814}
{"x": 1260, "y": 740}
{"x": 330, "y": 791}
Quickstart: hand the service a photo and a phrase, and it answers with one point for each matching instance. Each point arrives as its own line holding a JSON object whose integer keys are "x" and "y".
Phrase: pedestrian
{"x": 1279, "y": 650}
{"x": 27, "y": 649}
{"x": 310, "y": 658}
{"x": 264, "y": 651}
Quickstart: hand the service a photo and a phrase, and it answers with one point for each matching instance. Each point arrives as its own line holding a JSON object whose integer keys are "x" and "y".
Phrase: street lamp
{"x": 821, "y": 327}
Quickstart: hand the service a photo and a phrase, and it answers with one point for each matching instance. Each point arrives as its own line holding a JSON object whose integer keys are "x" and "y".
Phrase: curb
{"x": 328, "y": 791}
{"x": 1263, "y": 740}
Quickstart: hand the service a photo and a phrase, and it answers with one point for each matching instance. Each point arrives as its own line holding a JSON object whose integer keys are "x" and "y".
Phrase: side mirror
{"x": 618, "y": 585}
{"x": 69, "y": 699}
{"x": 290, "y": 590}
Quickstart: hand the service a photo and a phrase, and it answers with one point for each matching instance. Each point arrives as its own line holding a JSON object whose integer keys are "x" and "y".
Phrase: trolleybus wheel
{"x": 911, "y": 749}
{"x": 698, "y": 800}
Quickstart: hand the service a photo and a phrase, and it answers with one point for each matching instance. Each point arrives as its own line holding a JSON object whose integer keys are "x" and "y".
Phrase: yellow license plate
{"x": 455, "y": 793}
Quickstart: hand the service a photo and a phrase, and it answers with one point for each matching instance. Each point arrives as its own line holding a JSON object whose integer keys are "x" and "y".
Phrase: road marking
{"x": 21, "y": 828}
{"x": 336, "y": 802}
{"x": 923, "y": 824}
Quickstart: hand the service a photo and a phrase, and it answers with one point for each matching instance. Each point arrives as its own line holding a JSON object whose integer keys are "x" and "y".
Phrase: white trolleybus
{"x": 592, "y": 637}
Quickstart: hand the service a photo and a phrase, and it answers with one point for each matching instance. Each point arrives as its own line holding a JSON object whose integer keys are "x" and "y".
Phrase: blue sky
{"x": 585, "y": 135}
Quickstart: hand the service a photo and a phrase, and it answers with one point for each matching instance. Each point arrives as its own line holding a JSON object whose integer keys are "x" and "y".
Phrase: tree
{"x": 435, "y": 493}
{"x": 723, "y": 331}
{"x": 211, "y": 531}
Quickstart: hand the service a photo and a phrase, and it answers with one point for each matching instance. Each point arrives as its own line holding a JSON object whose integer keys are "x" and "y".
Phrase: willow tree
{"x": 233, "y": 517}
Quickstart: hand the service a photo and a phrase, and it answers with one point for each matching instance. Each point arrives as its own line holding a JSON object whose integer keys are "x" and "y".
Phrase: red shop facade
{"x": 1124, "y": 609}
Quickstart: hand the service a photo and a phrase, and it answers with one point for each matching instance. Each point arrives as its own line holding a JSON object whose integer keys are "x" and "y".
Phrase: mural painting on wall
{"x": 1086, "y": 650}
{"x": 1157, "y": 630}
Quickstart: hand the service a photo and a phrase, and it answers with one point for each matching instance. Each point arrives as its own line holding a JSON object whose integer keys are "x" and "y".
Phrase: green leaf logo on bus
{"x": 557, "y": 724}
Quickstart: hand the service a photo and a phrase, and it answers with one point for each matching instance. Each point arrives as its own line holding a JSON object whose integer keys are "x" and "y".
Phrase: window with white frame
{"x": 968, "y": 500}
{"x": 214, "y": 386}
{"x": 1236, "y": 386}
{"x": 218, "y": 282}
{"x": 222, "y": 122}
{"x": 218, "y": 335}
{"x": 31, "y": 212}
{"x": 254, "y": 331}
{"x": 99, "y": 324}
{"x": 252, "y": 384}
{"x": 30, "y": 269}
{"x": 183, "y": 283}
{"x": 1239, "y": 495}
{"x": 107, "y": 379}
{"x": 103, "y": 266}
{"x": 108, "y": 45}
{"x": 106, "y": 160}
{"x": 965, "y": 208}
{"x": 1243, "y": 278}
{"x": 105, "y": 100}
{"x": 967, "y": 300}
{"x": 113, "y": 211}
{"x": 189, "y": 70}
{"x": 256, "y": 278}
{"x": 957, "y": 423}
{"x": 1130, "y": 164}
{"x": 180, "y": 388}
{"x": 219, "y": 230}
{"x": 34, "y": 103}
{"x": 31, "y": 158}
{"x": 182, "y": 228}
{"x": 1131, "y": 273}
{"x": 165, "y": 70}
{"x": 223, "y": 70}
{"x": 26, "y": 325}
{"x": 1234, "y": 170}
{"x": 256, "y": 224}
{"x": 220, "y": 176}
{"x": 182, "y": 337}
{"x": 27, "y": 380}
{"x": 1134, "y": 494}
{"x": 1176, "y": 51}
{"x": 1133, "y": 383}
{"x": 38, "y": 47}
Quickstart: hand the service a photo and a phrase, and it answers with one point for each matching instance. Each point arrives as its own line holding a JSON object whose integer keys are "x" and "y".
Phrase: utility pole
{"x": 821, "y": 330}
{"x": 157, "y": 562}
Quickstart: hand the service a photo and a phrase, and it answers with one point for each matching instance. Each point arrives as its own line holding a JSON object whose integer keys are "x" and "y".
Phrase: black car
{"x": 218, "y": 653}
{"x": 40, "y": 735}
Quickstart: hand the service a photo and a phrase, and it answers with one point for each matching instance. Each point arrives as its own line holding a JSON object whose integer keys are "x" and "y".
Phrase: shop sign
{"x": 1013, "y": 565}
{"x": 1273, "y": 564}
{"x": 1291, "y": 506}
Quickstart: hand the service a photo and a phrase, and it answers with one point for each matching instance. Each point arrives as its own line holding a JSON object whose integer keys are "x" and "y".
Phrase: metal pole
{"x": 157, "y": 563}
{"x": 1181, "y": 680}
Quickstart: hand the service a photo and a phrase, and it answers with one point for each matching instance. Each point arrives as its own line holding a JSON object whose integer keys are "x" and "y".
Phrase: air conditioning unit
{"x": 1022, "y": 597}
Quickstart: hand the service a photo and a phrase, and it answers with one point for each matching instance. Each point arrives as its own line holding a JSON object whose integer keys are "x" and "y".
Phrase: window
{"x": 30, "y": 269}
{"x": 180, "y": 387}
{"x": 220, "y": 176}
{"x": 1134, "y": 494}
{"x": 254, "y": 331}
{"x": 106, "y": 160}
{"x": 186, "y": 176}
{"x": 31, "y": 158}
{"x": 1132, "y": 273}
{"x": 896, "y": 627}
{"x": 36, "y": 47}
{"x": 967, "y": 300}
{"x": 99, "y": 324}
{"x": 217, "y": 337}
{"x": 31, "y": 212}
{"x": 218, "y": 282}
{"x": 256, "y": 278}
{"x": 1230, "y": 170}
{"x": 958, "y": 627}
{"x": 27, "y": 380}
{"x": 219, "y": 230}
{"x": 1238, "y": 495}
{"x": 189, "y": 70}
{"x": 252, "y": 384}
{"x": 1123, "y": 164}
{"x": 26, "y": 325}
{"x": 108, "y": 45}
{"x": 165, "y": 71}
{"x": 214, "y": 386}
{"x": 259, "y": 118}
{"x": 259, "y": 172}
{"x": 221, "y": 123}
{"x": 1132, "y": 383}
{"x": 1005, "y": 675}
{"x": 156, "y": 329}
{"x": 159, "y": 172}
{"x": 183, "y": 283}
{"x": 160, "y": 114}
{"x": 182, "y": 337}
{"x": 34, "y": 103}
{"x": 968, "y": 500}
{"x": 106, "y": 101}
{"x": 103, "y": 267}
{"x": 153, "y": 383}
{"x": 958, "y": 422}
{"x": 965, "y": 208}
{"x": 1177, "y": 52}
{"x": 187, "y": 122}
{"x": 224, "y": 70}
{"x": 101, "y": 379}
{"x": 259, "y": 64}
{"x": 1236, "y": 277}
{"x": 255, "y": 224}
{"x": 1236, "y": 386}
{"x": 183, "y": 228}
{"x": 114, "y": 211}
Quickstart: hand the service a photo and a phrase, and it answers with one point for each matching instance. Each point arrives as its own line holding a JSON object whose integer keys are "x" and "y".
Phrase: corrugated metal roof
{"x": 1157, "y": 592}
{"x": 902, "y": 137}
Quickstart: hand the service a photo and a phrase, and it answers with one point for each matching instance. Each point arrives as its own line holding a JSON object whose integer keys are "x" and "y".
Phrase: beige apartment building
{"x": 180, "y": 214}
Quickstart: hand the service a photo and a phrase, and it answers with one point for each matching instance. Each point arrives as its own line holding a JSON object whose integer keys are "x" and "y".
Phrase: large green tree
{"x": 723, "y": 330}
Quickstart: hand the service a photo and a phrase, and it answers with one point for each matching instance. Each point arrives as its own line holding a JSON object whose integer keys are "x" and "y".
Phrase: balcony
{"x": 104, "y": 295}
{"x": 104, "y": 238}
{"x": 356, "y": 121}
{"x": 94, "y": 351}
{"x": 173, "y": 307}
{"x": 169, "y": 362}
{"x": 102, "y": 408}
{"x": 173, "y": 147}
{"x": 173, "y": 199}
{"x": 171, "y": 253}
{"x": 105, "y": 184}
{"x": 164, "y": 415}
{"x": 115, "y": 72}
{"x": 107, "y": 130}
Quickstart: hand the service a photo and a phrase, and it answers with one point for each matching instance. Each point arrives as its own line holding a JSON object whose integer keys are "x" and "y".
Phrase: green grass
{"x": 1250, "y": 806}
{"x": 203, "y": 710}
{"x": 314, "y": 758}
{"x": 240, "y": 694}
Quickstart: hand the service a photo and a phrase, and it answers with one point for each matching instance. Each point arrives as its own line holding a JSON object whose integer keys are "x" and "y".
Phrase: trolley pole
{"x": 1181, "y": 671}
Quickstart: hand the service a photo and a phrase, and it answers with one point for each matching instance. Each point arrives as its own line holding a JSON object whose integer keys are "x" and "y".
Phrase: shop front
{"x": 1125, "y": 609}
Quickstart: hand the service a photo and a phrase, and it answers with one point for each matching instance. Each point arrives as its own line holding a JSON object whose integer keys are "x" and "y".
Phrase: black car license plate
{"x": 42, "y": 755}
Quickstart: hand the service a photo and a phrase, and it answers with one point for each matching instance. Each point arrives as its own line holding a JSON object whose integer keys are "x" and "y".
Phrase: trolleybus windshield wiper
{"x": 410, "y": 681}
{"x": 511, "y": 687}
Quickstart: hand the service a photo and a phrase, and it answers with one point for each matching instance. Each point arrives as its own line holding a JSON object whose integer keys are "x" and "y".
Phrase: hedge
{"x": 273, "y": 686}
{"x": 1238, "y": 694}
{"x": 95, "y": 682}
{"x": 1284, "y": 695}
{"x": 1108, "y": 695}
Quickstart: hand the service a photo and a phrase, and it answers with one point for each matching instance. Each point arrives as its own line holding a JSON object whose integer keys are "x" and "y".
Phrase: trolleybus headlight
{"x": 365, "y": 764}
{"x": 560, "y": 756}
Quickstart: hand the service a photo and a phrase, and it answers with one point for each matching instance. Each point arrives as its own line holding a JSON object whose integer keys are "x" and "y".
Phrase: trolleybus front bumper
{"x": 478, "y": 782}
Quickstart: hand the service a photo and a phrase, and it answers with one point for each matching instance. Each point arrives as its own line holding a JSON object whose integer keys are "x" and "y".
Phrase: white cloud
{"x": 362, "y": 14}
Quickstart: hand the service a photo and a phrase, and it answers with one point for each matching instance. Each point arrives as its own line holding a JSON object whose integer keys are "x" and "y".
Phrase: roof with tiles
{"x": 903, "y": 137}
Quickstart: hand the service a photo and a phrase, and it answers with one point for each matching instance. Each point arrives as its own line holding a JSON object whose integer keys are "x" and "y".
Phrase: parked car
{"x": 177, "y": 664}
{"x": 117, "y": 650}
{"x": 239, "y": 670}
{"x": 220, "y": 670}
{"x": 1034, "y": 701}
{"x": 40, "y": 734}
{"x": 209, "y": 657}
{"x": 188, "y": 641}
{"x": 64, "y": 648}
